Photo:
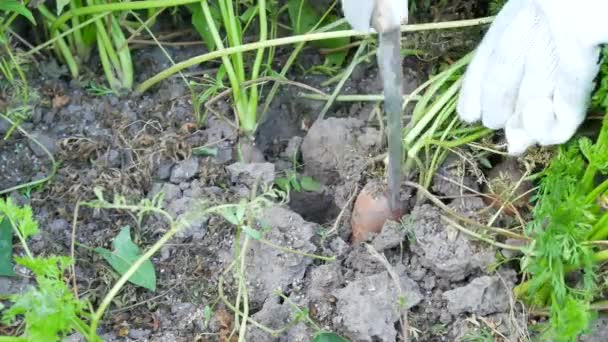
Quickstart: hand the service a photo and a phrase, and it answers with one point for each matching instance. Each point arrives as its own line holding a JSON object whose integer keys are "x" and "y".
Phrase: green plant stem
{"x": 354, "y": 98}
{"x": 235, "y": 84}
{"x": 592, "y": 196}
{"x": 480, "y": 237}
{"x": 118, "y": 7}
{"x": 257, "y": 64}
{"x": 462, "y": 141}
{"x": 523, "y": 288}
{"x": 19, "y": 72}
{"x": 238, "y": 312}
{"x": 244, "y": 291}
{"x": 13, "y": 339}
{"x": 63, "y": 34}
{"x": 600, "y": 229}
{"x": 429, "y": 115}
{"x": 81, "y": 49}
{"x": 233, "y": 31}
{"x": 296, "y": 39}
{"x": 97, "y": 315}
{"x": 292, "y": 58}
{"x": 340, "y": 85}
{"x": 62, "y": 46}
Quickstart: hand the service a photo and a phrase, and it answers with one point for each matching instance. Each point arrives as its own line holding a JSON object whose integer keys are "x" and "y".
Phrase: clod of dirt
{"x": 370, "y": 212}
{"x": 368, "y": 308}
{"x": 45, "y": 140}
{"x": 335, "y": 152}
{"x": 163, "y": 171}
{"x": 323, "y": 280}
{"x": 275, "y": 315}
{"x": 184, "y": 170}
{"x": 251, "y": 153}
{"x": 270, "y": 269}
{"x": 248, "y": 173}
{"x": 482, "y": 296}
{"x": 179, "y": 204}
{"x": 391, "y": 236}
{"x": 449, "y": 254}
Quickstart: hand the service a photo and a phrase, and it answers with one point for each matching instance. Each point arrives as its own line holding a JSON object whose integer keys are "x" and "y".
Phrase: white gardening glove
{"x": 533, "y": 72}
{"x": 375, "y": 15}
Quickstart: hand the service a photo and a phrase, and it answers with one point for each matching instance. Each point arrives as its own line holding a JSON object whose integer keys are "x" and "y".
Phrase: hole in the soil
{"x": 314, "y": 207}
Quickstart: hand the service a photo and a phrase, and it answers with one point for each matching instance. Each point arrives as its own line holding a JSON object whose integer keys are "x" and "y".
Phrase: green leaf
{"x": 328, "y": 337}
{"x": 21, "y": 218}
{"x": 60, "y": 5}
{"x": 6, "y": 248}
{"x": 125, "y": 253}
{"x": 200, "y": 23}
{"x": 248, "y": 14}
{"x": 294, "y": 183}
{"x": 229, "y": 214}
{"x": 335, "y": 60}
{"x": 309, "y": 184}
{"x": 304, "y": 18}
{"x": 282, "y": 183}
{"x": 254, "y": 234}
{"x": 207, "y": 314}
{"x": 50, "y": 310}
{"x": 205, "y": 151}
{"x": 302, "y": 15}
{"x": 17, "y": 7}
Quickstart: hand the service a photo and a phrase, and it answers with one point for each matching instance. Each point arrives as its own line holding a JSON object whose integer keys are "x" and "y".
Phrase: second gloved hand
{"x": 533, "y": 72}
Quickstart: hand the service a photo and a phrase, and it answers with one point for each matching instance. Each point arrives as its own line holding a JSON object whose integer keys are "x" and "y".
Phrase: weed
{"x": 99, "y": 90}
{"x": 568, "y": 219}
{"x": 479, "y": 335}
{"x": 293, "y": 181}
{"x": 50, "y": 310}
{"x": 245, "y": 102}
{"x": 11, "y": 64}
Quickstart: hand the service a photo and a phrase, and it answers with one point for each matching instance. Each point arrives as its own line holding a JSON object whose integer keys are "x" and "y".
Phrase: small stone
{"x": 483, "y": 296}
{"x": 163, "y": 171}
{"x": 171, "y": 192}
{"x": 44, "y": 140}
{"x": 184, "y": 170}
{"x": 391, "y": 236}
{"x": 338, "y": 246}
{"x": 445, "y": 318}
{"x": 367, "y": 308}
{"x": 58, "y": 226}
{"x": 248, "y": 173}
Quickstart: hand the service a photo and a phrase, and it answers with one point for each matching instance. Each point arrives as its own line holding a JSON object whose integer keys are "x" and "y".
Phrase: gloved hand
{"x": 375, "y": 15}
{"x": 533, "y": 72}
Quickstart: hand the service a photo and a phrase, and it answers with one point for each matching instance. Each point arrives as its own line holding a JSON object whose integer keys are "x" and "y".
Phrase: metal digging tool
{"x": 389, "y": 61}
